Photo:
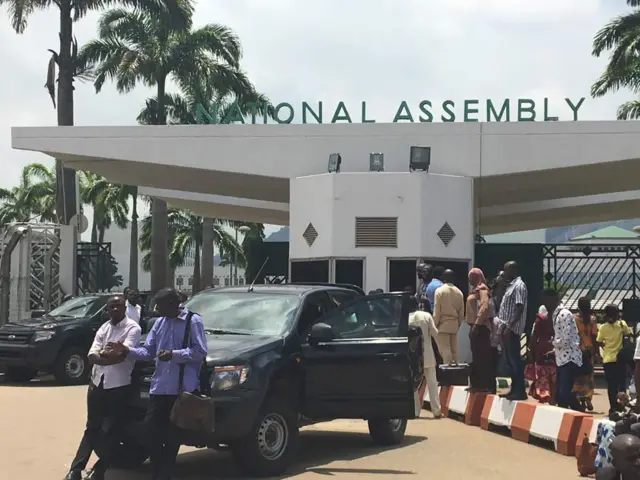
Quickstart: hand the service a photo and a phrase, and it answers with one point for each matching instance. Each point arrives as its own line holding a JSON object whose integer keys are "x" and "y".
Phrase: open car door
{"x": 363, "y": 361}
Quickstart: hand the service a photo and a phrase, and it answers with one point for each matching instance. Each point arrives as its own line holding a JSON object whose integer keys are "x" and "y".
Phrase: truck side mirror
{"x": 321, "y": 333}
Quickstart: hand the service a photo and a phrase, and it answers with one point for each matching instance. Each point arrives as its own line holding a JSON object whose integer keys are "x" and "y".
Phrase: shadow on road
{"x": 44, "y": 381}
{"x": 317, "y": 449}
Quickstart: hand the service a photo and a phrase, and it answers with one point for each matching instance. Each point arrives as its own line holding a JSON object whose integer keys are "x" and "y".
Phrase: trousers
{"x": 513, "y": 357}
{"x": 432, "y": 388}
{"x": 614, "y": 374}
{"x": 482, "y": 377}
{"x": 565, "y": 378}
{"x": 164, "y": 443}
{"x": 448, "y": 346}
{"x": 105, "y": 411}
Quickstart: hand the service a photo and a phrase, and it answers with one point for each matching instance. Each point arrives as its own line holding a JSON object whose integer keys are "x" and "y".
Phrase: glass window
{"x": 245, "y": 312}
{"x": 80, "y": 307}
{"x": 226, "y": 281}
{"x": 338, "y": 297}
{"x": 369, "y": 317}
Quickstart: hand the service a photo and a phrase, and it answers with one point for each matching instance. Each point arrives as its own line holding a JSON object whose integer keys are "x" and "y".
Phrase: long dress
{"x": 584, "y": 384}
{"x": 542, "y": 371}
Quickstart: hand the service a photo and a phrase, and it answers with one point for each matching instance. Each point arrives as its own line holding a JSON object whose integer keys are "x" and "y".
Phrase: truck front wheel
{"x": 272, "y": 445}
{"x": 72, "y": 367}
{"x": 387, "y": 431}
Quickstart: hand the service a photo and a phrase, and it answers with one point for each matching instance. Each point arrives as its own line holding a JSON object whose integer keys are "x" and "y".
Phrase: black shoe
{"x": 517, "y": 397}
{"x": 73, "y": 475}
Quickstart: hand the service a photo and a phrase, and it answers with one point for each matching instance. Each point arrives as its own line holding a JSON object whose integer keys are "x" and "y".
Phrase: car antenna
{"x": 250, "y": 289}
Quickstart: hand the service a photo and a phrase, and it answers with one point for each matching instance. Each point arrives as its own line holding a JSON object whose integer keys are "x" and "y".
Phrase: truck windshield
{"x": 79, "y": 307}
{"x": 244, "y": 312}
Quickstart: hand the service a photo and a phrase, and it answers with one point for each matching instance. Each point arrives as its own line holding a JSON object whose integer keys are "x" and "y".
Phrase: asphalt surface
{"x": 42, "y": 424}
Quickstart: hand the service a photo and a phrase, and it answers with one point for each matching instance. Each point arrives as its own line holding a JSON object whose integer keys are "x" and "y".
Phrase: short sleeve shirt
{"x": 611, "y": 335}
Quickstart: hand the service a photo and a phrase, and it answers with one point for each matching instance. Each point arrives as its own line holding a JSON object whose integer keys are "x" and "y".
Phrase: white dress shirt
{"x": 425, "y": 321}
{"x": 566, "y": 338}
{"x": 637, "y": 354}
{"x": 133, "y": 312}
{"x": 126, "y": 331}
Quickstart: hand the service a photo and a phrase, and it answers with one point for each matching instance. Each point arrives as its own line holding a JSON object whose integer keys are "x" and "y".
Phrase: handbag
{"x": 627, "y": 352}
{"x": 192, "y": 411}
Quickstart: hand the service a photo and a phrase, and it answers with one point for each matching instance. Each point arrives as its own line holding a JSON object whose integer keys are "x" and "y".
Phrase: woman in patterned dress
{"x": 541, "y": 371}
{"x": 588, "y": 329}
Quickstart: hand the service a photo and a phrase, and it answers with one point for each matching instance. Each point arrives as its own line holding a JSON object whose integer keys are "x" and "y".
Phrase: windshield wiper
{"x": 220, "y": 331}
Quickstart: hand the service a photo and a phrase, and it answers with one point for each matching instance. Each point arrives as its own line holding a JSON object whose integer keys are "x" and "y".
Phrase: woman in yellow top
{"x": 610, "y": 338}
{"x": 588, "y": 329}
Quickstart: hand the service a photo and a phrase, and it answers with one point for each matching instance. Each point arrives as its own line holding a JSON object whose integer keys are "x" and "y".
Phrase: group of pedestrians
{"x": 178, "y": 345}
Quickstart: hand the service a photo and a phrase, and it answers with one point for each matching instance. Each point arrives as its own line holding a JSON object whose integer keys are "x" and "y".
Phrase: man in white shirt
{"x": 133, "y": 308}
{"x": 109, "y": 390}
{"x": 636, "y": 377}
{"x": 566, "y": 343}
{"x": 425, "y": 322}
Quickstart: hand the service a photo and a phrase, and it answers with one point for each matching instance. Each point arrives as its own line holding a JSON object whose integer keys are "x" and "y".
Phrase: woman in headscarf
{"x": 479, "y": 315}
{"x": 588, "y": 330}
{"x": 541, "y": 371}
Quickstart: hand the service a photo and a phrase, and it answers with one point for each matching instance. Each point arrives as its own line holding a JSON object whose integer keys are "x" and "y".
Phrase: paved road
{"x": 42, "y": 423}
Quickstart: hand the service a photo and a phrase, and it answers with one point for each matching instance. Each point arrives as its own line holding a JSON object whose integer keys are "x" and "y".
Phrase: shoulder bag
{"x": 192, "y": 411}
{"x": 627, "y": 352}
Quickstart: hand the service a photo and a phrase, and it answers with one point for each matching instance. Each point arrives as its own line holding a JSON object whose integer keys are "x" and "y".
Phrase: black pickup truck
{"x": 285, "y": 356}
{"x": 56, "y": 342}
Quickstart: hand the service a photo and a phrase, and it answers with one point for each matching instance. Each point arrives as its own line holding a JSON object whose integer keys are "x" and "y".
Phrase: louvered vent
{"x": 377, "y": 232}
{"x": 446, "y": 234}
{"x": 310, "y": 234}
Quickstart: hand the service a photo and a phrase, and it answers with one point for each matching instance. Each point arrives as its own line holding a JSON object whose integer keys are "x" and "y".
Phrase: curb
{"x": 556, "y": 428}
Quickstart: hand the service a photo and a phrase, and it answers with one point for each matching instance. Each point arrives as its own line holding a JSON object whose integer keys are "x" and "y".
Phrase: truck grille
{"x": 15, "y": 337}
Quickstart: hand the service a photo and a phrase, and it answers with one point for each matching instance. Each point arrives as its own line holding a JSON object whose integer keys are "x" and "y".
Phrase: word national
{"x": 507, "y": 110}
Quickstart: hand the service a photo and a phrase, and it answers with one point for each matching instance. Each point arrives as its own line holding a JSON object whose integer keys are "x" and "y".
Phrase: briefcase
{"x": 454, "y": 374}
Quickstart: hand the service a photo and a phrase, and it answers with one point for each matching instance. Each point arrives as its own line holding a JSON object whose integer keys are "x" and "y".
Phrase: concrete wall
{"x": 421, "y": 202}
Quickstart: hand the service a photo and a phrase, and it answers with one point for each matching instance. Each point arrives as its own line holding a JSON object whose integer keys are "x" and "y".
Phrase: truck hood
{"x": 38, "y": 323}
{"x": 229, "y": 348}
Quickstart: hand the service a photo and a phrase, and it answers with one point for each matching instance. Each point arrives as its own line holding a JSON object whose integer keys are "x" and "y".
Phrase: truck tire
{"x": 272, "y": 444}
{"x": 21, "y": 374}
{"x": 72, "y": 367}
{"x": 129, "y": 455}
{"x": 387, "y": 431}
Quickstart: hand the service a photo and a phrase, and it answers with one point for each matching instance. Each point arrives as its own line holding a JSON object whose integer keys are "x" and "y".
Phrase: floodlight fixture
{"x": 376, "y": 162}
{"x": 420, "y": 159}
{"x": 335, "y": 159}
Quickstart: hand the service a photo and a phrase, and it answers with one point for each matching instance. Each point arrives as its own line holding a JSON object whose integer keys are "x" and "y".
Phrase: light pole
{"x": 234, "y": 278}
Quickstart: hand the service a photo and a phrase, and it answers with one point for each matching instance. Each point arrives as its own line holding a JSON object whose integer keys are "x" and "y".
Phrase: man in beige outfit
{"x": 448, "y": 315}
{"x": 424, "y": 321}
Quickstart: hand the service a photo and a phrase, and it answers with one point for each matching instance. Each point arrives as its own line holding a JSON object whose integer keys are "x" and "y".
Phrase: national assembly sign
{"x": 473, "y": 110}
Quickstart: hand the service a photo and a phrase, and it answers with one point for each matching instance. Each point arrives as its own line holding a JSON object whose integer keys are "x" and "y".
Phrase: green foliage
{"x": 620, "y": 37}
{"x": 109, "y": 277}
{"x": 33, "y": 199}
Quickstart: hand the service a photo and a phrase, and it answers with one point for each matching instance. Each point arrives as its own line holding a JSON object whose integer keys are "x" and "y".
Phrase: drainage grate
{"x": 446, "y": 234}
{"x": 310, "y": 234}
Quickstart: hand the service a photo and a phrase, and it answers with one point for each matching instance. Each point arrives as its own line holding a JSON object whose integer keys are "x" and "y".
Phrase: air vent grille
{"x": 310, "y": 234}
{"x": 377, "y": 232}
{"x": 446, "y": 234}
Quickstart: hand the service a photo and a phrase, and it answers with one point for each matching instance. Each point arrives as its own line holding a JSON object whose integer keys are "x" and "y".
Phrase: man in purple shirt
{"x": 165, "y": 343}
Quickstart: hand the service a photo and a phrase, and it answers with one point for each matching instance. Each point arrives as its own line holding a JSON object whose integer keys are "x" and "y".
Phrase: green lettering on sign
{"x": 470, "y": 110}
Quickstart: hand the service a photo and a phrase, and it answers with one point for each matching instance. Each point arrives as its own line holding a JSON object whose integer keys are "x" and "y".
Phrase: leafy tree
{"x": 69, "y": 67}
{"x": 133, "y": 47}
{"x": 109, "y": 202}
{"x": 185, "y": 233}
{"x": 33, "y": 199}
{"x": 621, "y": 37}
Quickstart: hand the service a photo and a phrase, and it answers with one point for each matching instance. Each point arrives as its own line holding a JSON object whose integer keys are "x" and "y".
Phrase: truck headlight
{"x": 224, "y": 378}
{"x": 43, "y": 336}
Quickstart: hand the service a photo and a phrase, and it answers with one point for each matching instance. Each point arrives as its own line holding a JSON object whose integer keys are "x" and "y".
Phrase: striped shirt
{"x": 516, "y": 294}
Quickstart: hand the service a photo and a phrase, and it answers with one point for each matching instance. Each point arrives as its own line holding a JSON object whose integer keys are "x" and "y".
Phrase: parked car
{"x": 56, "y": 342}
{"x": 285, "y": 356}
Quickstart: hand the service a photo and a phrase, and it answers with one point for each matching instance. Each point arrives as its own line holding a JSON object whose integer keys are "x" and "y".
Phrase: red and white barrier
{"x": 525, "y": 420}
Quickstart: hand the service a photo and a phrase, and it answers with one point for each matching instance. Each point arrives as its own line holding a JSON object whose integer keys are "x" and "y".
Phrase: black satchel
{"x": 192, "y": 411}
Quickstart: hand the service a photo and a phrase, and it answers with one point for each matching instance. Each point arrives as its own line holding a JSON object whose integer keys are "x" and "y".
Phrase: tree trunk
{"x": 94, "y": 229}
{"x": 65, "y": 177}
{"x": 196, "y": 284}
{"x": 101, "y": 232}
{"x": 133, "y": 247}
{"x": 207, "y": 252}
{"x": 159, "y": 220}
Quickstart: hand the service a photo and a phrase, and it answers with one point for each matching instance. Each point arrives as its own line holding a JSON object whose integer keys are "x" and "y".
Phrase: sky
{"x": 378, "y": 51}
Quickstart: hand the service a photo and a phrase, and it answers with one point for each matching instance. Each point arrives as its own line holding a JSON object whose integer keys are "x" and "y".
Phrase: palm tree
{"x": 621, "y": 36}
{"x": 69, "y": 68}
{"x": 109, "y": 202}
{"x": 137, "y": 47}
{"x": 233, "y": 93}
{"x": 34, "y": 198}
{"x": 186, "y": 233}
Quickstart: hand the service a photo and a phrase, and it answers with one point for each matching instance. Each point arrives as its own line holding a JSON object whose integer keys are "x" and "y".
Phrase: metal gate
{"x": 94, "y": 267}
{"x": 604, "y": 273}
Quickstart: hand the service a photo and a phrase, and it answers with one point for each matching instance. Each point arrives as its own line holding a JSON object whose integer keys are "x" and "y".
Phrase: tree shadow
{"x": 40, "y": 381}
{"x": 317, "y": 449}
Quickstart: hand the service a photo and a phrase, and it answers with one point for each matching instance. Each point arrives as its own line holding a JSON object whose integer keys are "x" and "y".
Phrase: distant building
{"x": 120, "y": 246}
